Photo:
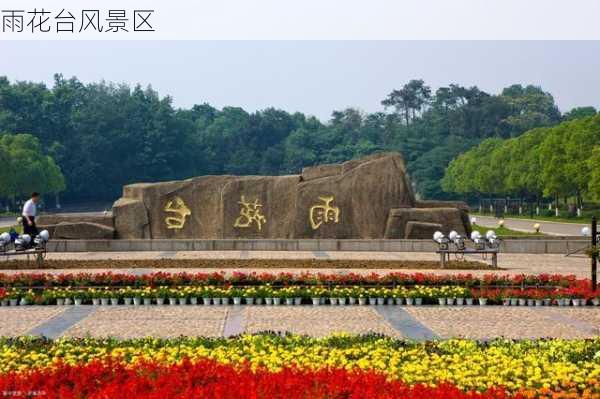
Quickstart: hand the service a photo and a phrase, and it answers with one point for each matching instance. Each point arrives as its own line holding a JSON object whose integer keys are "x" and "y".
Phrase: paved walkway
{"x": 577, "y": 264}
{"x": 526, "y": 225}
{"x": 419, "y": 323}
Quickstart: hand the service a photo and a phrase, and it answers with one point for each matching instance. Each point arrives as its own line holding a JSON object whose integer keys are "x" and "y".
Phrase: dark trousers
{"x": 30, "y": 229}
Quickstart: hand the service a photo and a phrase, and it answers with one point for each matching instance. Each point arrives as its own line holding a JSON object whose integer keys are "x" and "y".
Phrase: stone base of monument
{"x": 559, "y": 245}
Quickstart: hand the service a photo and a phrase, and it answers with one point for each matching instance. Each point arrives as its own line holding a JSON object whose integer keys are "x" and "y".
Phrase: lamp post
{"x": 594, "y": 243}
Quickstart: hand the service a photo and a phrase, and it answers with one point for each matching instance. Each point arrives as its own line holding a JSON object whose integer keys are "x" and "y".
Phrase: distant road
{"x": 552, "y": 228}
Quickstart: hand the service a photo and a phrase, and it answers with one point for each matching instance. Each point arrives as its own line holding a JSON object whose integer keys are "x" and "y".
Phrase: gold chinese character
{"x": 323, "y": 213}
{"x": 249, "y": 214}
{"x": 177, "y": 206}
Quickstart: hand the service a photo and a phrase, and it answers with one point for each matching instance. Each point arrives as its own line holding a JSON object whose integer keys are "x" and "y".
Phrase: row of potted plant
{"x": 297, "y": 295}
{"x": 281, "y": 279}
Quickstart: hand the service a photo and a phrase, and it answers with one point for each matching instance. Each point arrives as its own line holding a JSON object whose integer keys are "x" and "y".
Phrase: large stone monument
{"x": 367, "y": 198}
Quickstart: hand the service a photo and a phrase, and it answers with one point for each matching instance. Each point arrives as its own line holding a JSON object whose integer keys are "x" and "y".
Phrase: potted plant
{"x": 249, "y": 295}
{"x": 79, "y": 296}
{"x": 236, "y": 293}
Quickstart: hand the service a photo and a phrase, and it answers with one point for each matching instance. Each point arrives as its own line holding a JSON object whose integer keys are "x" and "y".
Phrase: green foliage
{"x": 25, "y": 168}
{"x": 555, "y": 161}
{"x": 103, "y": 136}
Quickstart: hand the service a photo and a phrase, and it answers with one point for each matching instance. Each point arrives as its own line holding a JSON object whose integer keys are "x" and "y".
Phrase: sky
{"x": 314, "y": 77}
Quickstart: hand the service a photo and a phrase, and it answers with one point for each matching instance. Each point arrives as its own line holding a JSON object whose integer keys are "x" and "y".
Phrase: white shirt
{"x": 29, "y": 209}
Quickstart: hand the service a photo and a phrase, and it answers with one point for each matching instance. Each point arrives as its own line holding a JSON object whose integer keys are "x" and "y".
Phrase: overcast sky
{"x": 313, "y": 77}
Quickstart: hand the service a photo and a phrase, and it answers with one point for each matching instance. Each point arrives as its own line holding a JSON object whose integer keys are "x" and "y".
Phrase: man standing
{"x": 29, "y": 213}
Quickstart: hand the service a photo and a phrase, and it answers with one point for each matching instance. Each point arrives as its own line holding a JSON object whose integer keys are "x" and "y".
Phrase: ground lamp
{"x": 41, "y": 239}
{"x": 478, "y": 240}
{"x": 5, "y": 240}
{"x": 457, "y": 240}
{"x": 22, "y": 242}
{"x": 492, "y": 239}
{"x": 442, "y": 240}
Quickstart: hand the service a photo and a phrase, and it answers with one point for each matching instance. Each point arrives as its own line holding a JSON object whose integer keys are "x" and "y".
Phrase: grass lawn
{"x": 18, "y": 228}
{"x": 503, "y": 231}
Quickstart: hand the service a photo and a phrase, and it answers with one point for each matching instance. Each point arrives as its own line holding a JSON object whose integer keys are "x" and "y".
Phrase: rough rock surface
{"x": 349, "y": 200}
{"x": 82, "y": 230}
{"x": 421, "y": 230}
{"x": 448, "y": 218}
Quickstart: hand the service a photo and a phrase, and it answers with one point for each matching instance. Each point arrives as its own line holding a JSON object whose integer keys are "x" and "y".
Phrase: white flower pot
{"x": 59, "y": 302}
{"x": 316, "y": 301}
{"x": 289, "y": 301}
{"x": 259, "y": 301}
{"x": 104, "y": 301}
{"x": 441, "y": 301}
{"x": 530, "y": 302}
{"x": 389, "y": 301}
{"x": 172, "y": 301}
{"x": 297, "y": 301}
{"x": 268, "y": 301}
{"x": 539, "y": 302}
{"x": 183, "y": 301}
{"x": 380, "y": 301}
{"x": 482, "y": 301}
{"x": 323, "y": 300}
{"x": 160, "y": 301}
{"x": 137, "y": 301}
{"x": 68, "y": 301}
{"x": 450, "y": 301}
{"x": 547, "y": 302}
{"x": 469, "y": 301}
{"x": 249, "y": 301}
{"x": 216, "y": 301}
{"x": 522, "y": 301}
{"x": 410, "y": 301}
{"x": 237, "y": 300}
{"x": 333, "y": 301}
{"x": 399, "y": 301}
{"x": 277, "y": 301}
{"x": 362, "y": 301}
{"x": 351, "y": 301}
{"x": 514, "y": 301}
{"x": 506, "y": 302}
{"x": 342, "y": 301}
{"x": 418, "y": 301}
{"x": 147, "y": 301}
{"x": 206, "y": 301}
{"x": 372, "y": 301}
{"x": 194, "y": 301}
{"x": 596, "y": 301}
{"x": 575, "y": 301}
{"x": 225, "y": 301}
{"x": 23, "y": 302}
{"x": 96, "y": 301}
{"x": 77, "y": 301}
{"x": 460, "y": 301}
{"x": 13, "y": 302}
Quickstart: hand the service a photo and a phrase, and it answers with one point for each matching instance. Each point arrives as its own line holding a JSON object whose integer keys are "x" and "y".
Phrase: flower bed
{"x": 294, "y": 289}
{"x": 577, "y": 295}
{"x": 268, "y": 366}
{"x": 280, "y": 279}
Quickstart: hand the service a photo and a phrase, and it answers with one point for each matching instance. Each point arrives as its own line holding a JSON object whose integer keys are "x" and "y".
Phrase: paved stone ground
{"x": 509, "y": 263}
{"x": 19, "y": 320}
{"x": 424, "y": 322}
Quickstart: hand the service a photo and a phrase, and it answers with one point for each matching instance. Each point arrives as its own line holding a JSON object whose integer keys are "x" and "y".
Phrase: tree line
{"x": 24, "y": 168}
{"x": 103, "y": 135}
{"x": 558, "y": 162}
